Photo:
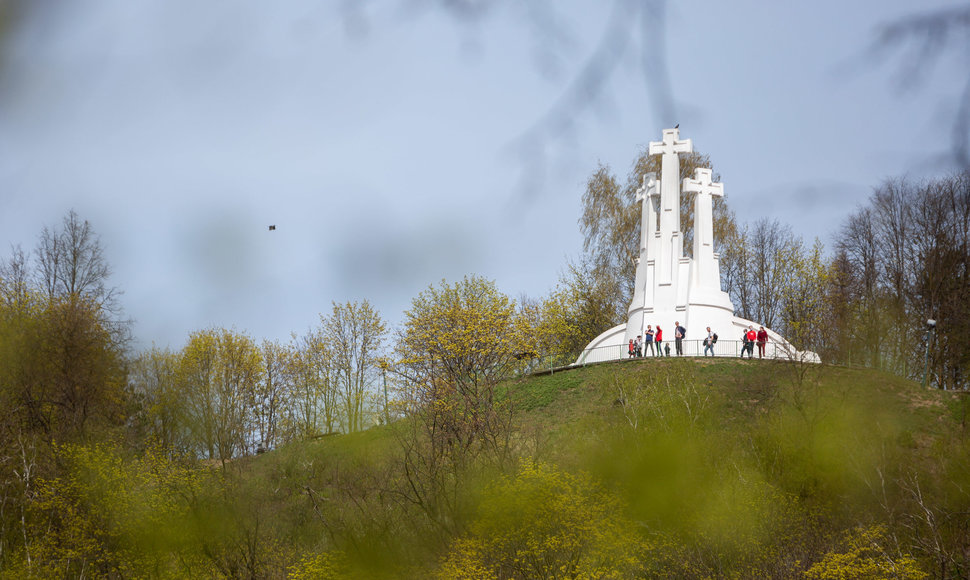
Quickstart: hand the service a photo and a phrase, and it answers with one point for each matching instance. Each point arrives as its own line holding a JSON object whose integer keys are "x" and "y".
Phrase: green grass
{"x": 760, "y": 466}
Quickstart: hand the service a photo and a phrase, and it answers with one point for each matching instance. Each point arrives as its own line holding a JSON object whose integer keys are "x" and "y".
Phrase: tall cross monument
{"x": 671, "y": 243}
{"x": 642, "y": 304}
{"x": 669, "y": 287}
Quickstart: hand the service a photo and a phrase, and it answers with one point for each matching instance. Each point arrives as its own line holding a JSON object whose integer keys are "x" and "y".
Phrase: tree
{"x": 71, "y": 263}
{"x": 736, "y": 271}
{"x": 543, "y": 523}
{"x": 15, "y": 284}
{"x": 866, "y": 553}
{"x": 66, "y": 370}
{"x": 463, "y": 339}
{"x": 804, "y": 313}
{"x": 577, "y": 310}
{"x": 903, "y": 259}
{"x": 458, "y": 341}
{"x": 758, "y": 264}
{"x": 354, "y": 333}
{"x": 314, "y": 402}
{"x": 271, "y": 393}
{"x": 773, "y": 247}
{"x": 154, "y": 380}
{"x": 65, "y": 350}
{"x": 62, "y": 378}
{"x": 219, "y": 370}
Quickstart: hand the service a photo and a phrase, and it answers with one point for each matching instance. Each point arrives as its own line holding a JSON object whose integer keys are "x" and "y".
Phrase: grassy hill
{"x": 690, "y": 468}
{"x": 661, "y": 468}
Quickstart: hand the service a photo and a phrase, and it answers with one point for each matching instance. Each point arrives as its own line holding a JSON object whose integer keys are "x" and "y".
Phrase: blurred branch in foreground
{"x": 922, "y": 39}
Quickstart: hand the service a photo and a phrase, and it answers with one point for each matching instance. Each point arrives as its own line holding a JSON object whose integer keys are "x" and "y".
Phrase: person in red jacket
{"x": 748, "y": 337}
{"x": 762, "y": 340}
{"x": 658, "y": 341}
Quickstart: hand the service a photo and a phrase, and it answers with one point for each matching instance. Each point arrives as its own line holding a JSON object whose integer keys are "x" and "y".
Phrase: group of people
{"x": 749, "y": 338}
{"x": 652, "y": 340}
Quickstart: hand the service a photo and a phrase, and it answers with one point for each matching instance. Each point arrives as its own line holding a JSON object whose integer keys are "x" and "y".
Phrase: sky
{"x": 396, "y": 143}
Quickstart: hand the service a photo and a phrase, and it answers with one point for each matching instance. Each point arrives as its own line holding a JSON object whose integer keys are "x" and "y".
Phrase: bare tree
{"x": 314, "y": 401}
{"x": 354, "y": 333}
{"x": 15, "y": 281}
{"x": 772, "y": 247}
{"x": 904, "y": 259}
{"x": 71, "y": 262}
{"x": 271, "y": 393}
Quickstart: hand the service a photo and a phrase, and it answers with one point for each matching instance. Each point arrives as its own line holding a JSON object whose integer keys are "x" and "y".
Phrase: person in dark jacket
{"x": 679, "y": 333}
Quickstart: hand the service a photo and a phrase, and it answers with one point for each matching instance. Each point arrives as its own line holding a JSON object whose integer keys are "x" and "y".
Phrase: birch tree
{"x": 354, "y": 333}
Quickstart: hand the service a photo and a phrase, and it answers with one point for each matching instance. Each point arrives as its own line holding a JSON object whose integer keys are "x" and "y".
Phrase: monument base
{"x": 613, "y": 344}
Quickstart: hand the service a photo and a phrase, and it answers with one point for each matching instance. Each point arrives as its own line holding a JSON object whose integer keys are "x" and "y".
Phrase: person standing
{"x": 748, "y": 337}
{"x": 679, "y": 333}
{"x": 762, "y": 341}
{"x": 658, "y": 341}
{"x": 709, "y": 342}
{"x": 648, "y": 338}
{"x": 637, "y": 346}
{"x": 631, "y": 348}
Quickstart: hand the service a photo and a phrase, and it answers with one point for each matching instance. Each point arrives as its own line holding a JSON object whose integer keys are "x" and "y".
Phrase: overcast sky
{"x": 392, "y": 143}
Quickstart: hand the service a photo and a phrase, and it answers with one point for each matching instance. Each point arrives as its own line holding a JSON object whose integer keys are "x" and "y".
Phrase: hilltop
{"x": 649, "y": 467}
{"x": 635, "y": 468}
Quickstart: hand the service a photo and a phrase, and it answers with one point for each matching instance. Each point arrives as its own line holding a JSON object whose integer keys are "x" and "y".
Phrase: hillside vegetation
{"x": 648, "y": 468}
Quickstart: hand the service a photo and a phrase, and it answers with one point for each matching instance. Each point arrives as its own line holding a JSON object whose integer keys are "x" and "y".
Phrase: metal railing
{"x": 690, "y": 348}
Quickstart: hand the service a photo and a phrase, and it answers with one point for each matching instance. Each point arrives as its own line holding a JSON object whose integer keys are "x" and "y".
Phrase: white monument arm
{"x": 671, "y": 144}
{"x": 650, "y": 187}
{"x": 701, "y": 183}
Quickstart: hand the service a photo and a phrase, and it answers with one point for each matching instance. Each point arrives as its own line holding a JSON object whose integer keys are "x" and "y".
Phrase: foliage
{"x": 64, "y": 371}
{"x": 218, "y": 371}
{"x": 314, "y": 397}
{"x": 543, "y": 523}
{"x": 576, "y": 311}
{"x": 355, "y": 335}
{"x": 162, "y": 414}
{"x": 804, "y": 314}
{"x": 109, "y": 515}
{"x": 458, "y": 342}
{"x": 464, "y": 336}
{"x": 864, "y": 555}
{"x": 903, "y": 259}
{"x": 322, "y": 566}
{"x": 223, "y": 396}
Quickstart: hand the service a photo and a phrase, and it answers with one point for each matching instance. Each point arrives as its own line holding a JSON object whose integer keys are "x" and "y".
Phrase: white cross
{"x": 671, "y": 143}
{"x": 702, "y": 183}
{"x": 649, "y": 188}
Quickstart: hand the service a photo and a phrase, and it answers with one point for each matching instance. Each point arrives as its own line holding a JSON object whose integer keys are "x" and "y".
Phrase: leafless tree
{"x": 354, "y": 333}
{"x": 905, "y": 258}
{"x": 15, "y": 278}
